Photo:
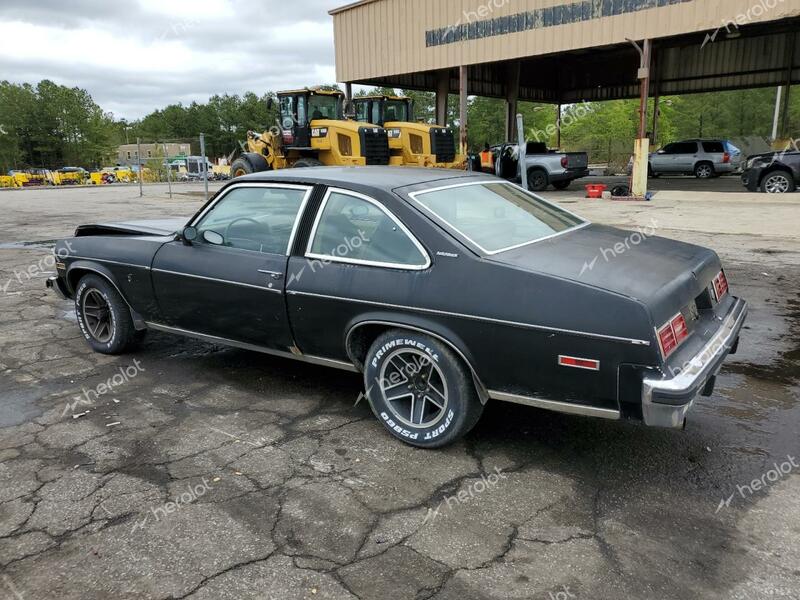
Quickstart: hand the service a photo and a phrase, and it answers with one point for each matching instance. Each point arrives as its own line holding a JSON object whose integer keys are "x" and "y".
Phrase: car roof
{"x": 385, "y": 178}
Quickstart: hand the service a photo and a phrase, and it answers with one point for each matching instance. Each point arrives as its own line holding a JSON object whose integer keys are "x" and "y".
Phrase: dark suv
{"x": 772, "y": 172}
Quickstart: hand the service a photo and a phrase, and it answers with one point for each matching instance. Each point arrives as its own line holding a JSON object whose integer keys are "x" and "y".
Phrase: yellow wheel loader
{"x": 410, "y": 143}
{"x": 311, "y": 132}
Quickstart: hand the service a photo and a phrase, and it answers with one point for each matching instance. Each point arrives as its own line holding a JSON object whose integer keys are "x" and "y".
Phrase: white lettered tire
{"x": 419, "y": 389}
{"x": 103, "y": 317}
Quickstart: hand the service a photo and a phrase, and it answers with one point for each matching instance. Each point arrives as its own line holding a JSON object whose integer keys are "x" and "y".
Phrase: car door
{"x": 663, "y": 161}
{"x": 229, "y": 283}
{"x": 685, "y": 157}
{"x": 357, "y": 249}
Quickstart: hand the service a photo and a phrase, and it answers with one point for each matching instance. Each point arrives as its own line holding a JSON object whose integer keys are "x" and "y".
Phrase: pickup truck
{"x": 545, "y": 167}
{"x": 772, "y": 172}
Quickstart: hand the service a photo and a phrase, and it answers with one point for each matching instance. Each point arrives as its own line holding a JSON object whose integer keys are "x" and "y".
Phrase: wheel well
{"x": 774, "y": 168}
{"x": 361, "y": 336}
{"x": 76, "y": 274}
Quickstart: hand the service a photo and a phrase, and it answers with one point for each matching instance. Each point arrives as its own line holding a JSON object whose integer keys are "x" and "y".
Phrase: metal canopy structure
{"x": 759, "y": 56}
{"x": 568, "y": 51}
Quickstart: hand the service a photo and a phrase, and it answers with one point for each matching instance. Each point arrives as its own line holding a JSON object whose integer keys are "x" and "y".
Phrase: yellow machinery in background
{"x": 311, "y": 132}
{"x": 411, "y": 143}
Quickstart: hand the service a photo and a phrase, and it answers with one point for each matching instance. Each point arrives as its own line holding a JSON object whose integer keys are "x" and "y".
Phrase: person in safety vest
{"x": 487, "y": 160}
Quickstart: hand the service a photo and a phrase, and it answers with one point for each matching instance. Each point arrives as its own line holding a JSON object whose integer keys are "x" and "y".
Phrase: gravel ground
{"x": 213, "y": 473}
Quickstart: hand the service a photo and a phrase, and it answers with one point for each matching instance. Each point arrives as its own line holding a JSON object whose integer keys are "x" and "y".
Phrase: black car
{"x": 772, "y": 172}
{"x": 446, "y": 289}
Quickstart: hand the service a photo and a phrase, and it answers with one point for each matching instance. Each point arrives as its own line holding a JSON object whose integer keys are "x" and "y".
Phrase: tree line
{"x": 49, "y": 125}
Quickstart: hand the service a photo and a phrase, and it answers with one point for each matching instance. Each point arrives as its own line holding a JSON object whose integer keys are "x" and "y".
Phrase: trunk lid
{"x": 665, "y": 275}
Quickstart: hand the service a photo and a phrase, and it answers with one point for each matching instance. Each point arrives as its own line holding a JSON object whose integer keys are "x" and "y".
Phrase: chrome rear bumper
{"x": 665, "y": 402}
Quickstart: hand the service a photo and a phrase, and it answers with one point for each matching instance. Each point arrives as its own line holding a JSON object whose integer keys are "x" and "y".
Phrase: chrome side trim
{"x": 213, "y": 339}
{"x": 666, "y": 402}
{"x": 106, "y": 260}
{"x": 247, "y": 285}
{"x": 483, "y": 394}
{"x": 554, "y": 405}
{"x": 384, "y": 210}
{"x": 448, "y": 225}
{"x": 433, "y": 311}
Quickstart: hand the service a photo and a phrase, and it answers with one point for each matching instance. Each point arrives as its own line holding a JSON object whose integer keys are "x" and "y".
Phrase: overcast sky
{"x": 139, "y": 55}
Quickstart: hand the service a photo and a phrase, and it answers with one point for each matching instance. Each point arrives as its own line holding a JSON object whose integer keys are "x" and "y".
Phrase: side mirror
{"x": 212, "y": 237}
{"x": 661, "y": 152}
{"x": 189, "y": 235}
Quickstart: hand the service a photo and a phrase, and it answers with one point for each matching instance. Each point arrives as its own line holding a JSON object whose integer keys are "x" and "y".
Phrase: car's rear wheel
{"x": 778, "y": 182}
{"x": 704, "y": 171}
{"x": 419, "y": 389}
{"x": 562, "y": 185}
{"x": 103, "y": 317}
{"x": 537, "y": 180}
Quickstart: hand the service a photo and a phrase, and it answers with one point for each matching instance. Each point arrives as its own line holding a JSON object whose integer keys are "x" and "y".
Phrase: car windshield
{"x": 496, "y": 216}
{"x": 323, "y": 107}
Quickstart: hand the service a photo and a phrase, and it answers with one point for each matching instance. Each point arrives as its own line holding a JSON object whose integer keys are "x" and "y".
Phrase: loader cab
{"x": 384, "y": 109}
{"x": 300, "y": 108}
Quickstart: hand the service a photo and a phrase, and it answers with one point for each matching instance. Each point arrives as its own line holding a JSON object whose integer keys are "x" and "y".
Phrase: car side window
{"x": 713, "y": 147}
{"x": 669, "y": 149}
{"x": 257, "y": 218}
{"x": 352, "y": 229}
{"x": 685, "y": 148}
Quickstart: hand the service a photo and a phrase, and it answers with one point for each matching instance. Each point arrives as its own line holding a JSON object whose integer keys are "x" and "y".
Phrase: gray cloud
{"x": 142, "y": 55}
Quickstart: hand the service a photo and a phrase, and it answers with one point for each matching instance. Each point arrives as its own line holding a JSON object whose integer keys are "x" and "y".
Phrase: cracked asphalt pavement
{"x": 187, "y": 470}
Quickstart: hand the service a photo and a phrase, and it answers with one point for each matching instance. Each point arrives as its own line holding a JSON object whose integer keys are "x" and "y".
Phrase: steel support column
{"x": 442, "y": 92}
{"x": 642, "y": 145}
{"x": 462, "y": 104}
{"x": 512, "y": 95}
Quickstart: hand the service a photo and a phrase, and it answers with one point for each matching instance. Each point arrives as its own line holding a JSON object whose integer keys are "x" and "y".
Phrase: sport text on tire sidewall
{"x": 460, "y": 405}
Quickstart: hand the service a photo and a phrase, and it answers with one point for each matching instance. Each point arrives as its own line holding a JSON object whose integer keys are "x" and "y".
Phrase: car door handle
{"x": 272, "y": 274}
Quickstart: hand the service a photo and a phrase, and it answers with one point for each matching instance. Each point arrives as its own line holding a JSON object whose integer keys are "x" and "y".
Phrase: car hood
{"x": 665, "y": 275}
{"x": 773, "y": 154}
{"x": 166, "y": 226}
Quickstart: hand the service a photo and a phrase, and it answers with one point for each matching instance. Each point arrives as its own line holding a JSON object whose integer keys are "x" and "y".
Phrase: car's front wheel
{"x": 778, "y": 182}
{"x": 103, "y": 317}
{"x": 419, "y": 389}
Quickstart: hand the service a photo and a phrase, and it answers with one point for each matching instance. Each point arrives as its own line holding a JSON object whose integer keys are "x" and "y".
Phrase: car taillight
{"x": 720, "y": 285}
{"x": 671, "y": 334}
{"x": 564, "y": 161}
{"x": 726, "y": 158}
{"x": 666, "y": 337}
{"x": 679, "y": 328}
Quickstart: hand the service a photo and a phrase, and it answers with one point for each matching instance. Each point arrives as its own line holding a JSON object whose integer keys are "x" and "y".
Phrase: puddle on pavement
{"x": 763, "y": 400}
{"x": 19, "y": 406}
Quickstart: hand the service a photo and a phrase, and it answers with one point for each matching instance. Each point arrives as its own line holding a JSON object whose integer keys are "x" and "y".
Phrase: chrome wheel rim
{"x": 704, "y": 171}
{"x": 413, "y": 388}
{"x": 98, "y": 316}
{"x": 777, "y": 184}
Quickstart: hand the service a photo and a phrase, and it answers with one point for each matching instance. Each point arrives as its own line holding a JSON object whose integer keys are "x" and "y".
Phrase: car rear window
{"x": 496, "y": 216}
{"x": 714, "y": 147}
